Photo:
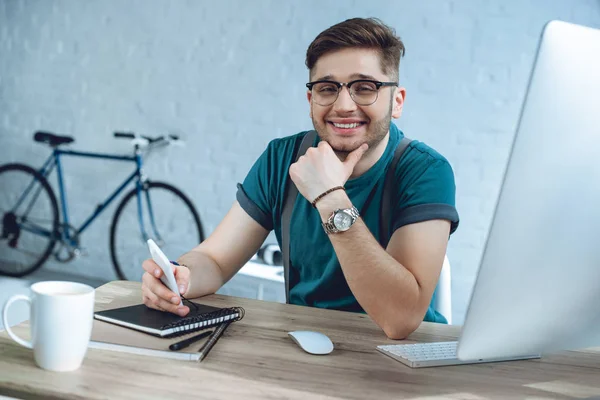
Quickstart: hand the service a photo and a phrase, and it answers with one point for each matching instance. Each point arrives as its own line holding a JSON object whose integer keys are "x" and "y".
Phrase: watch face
{"x": 342, "y": 221}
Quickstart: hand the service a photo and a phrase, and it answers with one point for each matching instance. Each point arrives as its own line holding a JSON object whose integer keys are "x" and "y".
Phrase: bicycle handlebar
{"x": 131, "y": 135}
{"x": 124, "y": 135}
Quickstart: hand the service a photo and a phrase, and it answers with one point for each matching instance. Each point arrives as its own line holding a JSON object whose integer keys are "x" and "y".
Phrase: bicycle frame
{"x": 54, "y": 160}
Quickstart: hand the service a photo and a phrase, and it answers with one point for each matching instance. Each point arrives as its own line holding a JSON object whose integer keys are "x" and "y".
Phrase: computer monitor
{"x": 538, "y": 286}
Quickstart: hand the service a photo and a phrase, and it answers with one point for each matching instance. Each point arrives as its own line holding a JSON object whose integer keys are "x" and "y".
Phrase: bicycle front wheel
{"x": 29, "y": 220}
{"x": 162, "y": 213}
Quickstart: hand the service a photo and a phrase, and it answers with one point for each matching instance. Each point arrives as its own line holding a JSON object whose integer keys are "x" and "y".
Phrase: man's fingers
{"x": 157, "y": 288}
{"x": 182, "y": 277}
{"x": 152, "y": 300}
{"x": 323, "y": 144}
{"x": 152, "y": 268}
{"x": 353, "y": 158}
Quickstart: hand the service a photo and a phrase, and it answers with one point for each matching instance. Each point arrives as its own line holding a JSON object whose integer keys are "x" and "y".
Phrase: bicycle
{"x": 32, "y": 225}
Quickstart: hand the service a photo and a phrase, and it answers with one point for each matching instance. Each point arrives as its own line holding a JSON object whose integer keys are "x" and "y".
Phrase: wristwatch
{"x": 341, "y": 220}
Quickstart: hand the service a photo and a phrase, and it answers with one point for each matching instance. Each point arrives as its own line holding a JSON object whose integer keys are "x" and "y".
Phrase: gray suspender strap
{"x": 386, "y": 198}
{"x": 286, "y": 215}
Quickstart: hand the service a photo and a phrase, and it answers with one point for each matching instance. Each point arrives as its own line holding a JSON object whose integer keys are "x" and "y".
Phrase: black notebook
{"x": 165, "y": 324}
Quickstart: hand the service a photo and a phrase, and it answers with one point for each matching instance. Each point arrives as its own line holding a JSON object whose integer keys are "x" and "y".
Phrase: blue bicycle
{"x": 33, "y": 230}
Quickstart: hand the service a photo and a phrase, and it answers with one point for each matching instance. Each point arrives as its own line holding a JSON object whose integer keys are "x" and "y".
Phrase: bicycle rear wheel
{"x": 29, "y": 220}
{"x": 168, "y": 217}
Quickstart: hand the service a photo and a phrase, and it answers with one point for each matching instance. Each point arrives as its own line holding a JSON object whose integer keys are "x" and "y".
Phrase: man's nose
{"x": 344, "y": 101}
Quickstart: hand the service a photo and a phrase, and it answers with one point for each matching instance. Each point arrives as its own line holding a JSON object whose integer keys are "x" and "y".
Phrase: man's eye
{"x": 365, "y": 87}
{"x": 327, "y": 89}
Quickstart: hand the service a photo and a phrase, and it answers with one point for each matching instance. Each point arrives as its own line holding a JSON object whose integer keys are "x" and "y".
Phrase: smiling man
{"x": 338, "y": 258}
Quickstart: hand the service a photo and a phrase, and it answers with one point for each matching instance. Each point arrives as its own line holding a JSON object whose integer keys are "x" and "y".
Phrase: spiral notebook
{"x": 106, "y": 336}
{"x": 164, "y": 324}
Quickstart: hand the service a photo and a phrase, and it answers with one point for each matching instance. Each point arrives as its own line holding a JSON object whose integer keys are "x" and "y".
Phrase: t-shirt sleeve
{"x": 262, "y": 192}
{"x": 254, "y": 195}
{"x": 428, "y": 194}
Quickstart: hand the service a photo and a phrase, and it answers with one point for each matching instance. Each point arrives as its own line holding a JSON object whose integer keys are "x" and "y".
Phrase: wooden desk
{"x": 256, "y": 359}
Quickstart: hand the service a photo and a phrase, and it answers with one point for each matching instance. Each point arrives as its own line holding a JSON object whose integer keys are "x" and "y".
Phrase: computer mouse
{"x": 312, "y": 342}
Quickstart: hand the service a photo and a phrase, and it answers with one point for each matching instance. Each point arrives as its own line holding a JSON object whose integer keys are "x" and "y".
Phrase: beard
{"x": 376, "y": 131}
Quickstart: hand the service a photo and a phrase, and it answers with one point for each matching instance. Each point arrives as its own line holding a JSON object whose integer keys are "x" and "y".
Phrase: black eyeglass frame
{"x": 378, "y": 85}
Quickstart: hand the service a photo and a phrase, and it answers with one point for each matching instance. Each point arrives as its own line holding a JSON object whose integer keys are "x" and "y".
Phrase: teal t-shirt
{"x": 425, "y": 190}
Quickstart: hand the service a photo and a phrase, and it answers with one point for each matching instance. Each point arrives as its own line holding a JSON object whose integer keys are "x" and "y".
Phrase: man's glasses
{"x": 364, "y": 92}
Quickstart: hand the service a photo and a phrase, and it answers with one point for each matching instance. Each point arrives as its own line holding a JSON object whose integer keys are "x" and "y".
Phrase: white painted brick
{"x": 229, "y": 76}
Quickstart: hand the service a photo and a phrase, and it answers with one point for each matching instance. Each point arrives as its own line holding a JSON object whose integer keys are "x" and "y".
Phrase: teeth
{"x": 346, "y": 126}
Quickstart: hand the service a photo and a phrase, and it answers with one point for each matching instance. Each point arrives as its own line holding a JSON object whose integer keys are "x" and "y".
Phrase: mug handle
{"x": 12, "y": 335}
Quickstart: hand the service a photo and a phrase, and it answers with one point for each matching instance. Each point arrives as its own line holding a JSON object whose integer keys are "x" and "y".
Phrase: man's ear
{"x": 398, "y": 102}
{"x": 309, "y": 97}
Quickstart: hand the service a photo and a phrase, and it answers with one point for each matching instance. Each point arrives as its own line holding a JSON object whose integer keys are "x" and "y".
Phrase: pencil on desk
{"x": 186, "y": 342}
{"x": 212, "y": 340}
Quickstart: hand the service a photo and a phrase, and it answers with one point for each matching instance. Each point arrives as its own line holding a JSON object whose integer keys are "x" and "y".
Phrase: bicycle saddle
{"x": 51, "y": 139}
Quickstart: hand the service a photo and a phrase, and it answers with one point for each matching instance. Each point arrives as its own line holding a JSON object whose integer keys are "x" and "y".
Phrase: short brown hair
{"x": 367, "y": 33}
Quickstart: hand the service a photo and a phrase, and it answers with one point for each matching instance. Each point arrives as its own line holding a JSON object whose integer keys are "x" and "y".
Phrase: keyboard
{"x": 435, "y": 354}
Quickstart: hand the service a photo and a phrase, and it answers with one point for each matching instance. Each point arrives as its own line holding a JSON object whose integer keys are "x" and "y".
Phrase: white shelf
{"x": 263, "y": 271}
{"x": 257, "y": 281}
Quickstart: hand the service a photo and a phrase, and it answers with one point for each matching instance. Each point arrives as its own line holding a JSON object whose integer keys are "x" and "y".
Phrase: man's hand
{"x": 156, "y": 295}
{"x": 320, "y": 169}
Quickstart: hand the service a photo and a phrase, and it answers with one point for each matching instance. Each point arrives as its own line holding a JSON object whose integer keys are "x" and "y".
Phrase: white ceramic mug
{"x": 61, "y": 319}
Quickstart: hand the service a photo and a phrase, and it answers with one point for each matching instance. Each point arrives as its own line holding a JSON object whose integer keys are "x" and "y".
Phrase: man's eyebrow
{"x": 363, "y": 76}
{"x": 329, "y": 77}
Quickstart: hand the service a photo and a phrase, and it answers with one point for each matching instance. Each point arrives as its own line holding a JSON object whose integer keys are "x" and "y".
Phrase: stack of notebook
{"x": 160, "y": 329}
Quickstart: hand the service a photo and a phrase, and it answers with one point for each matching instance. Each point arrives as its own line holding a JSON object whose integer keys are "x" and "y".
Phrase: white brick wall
{"x": 230, "y": 76}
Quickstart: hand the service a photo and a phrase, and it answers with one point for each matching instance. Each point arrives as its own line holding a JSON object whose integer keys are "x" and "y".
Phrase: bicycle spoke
{"x": 32, "y": 200}
{"x": 173, "y": 222}
{"x": 151, "y": 217}
{"x": 26, "y": 252}
{"x": 38, "y": 220}
{"x": 28, "y": 218}
{"x": 35, "y": 229}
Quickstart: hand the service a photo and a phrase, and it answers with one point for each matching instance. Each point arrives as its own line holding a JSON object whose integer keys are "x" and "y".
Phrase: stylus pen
{"x": 186, "y": 342}
{"x": 213, "y": 339}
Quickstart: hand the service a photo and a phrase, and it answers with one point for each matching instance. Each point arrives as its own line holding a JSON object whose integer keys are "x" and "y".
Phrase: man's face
{"x": 344, "y": 124}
